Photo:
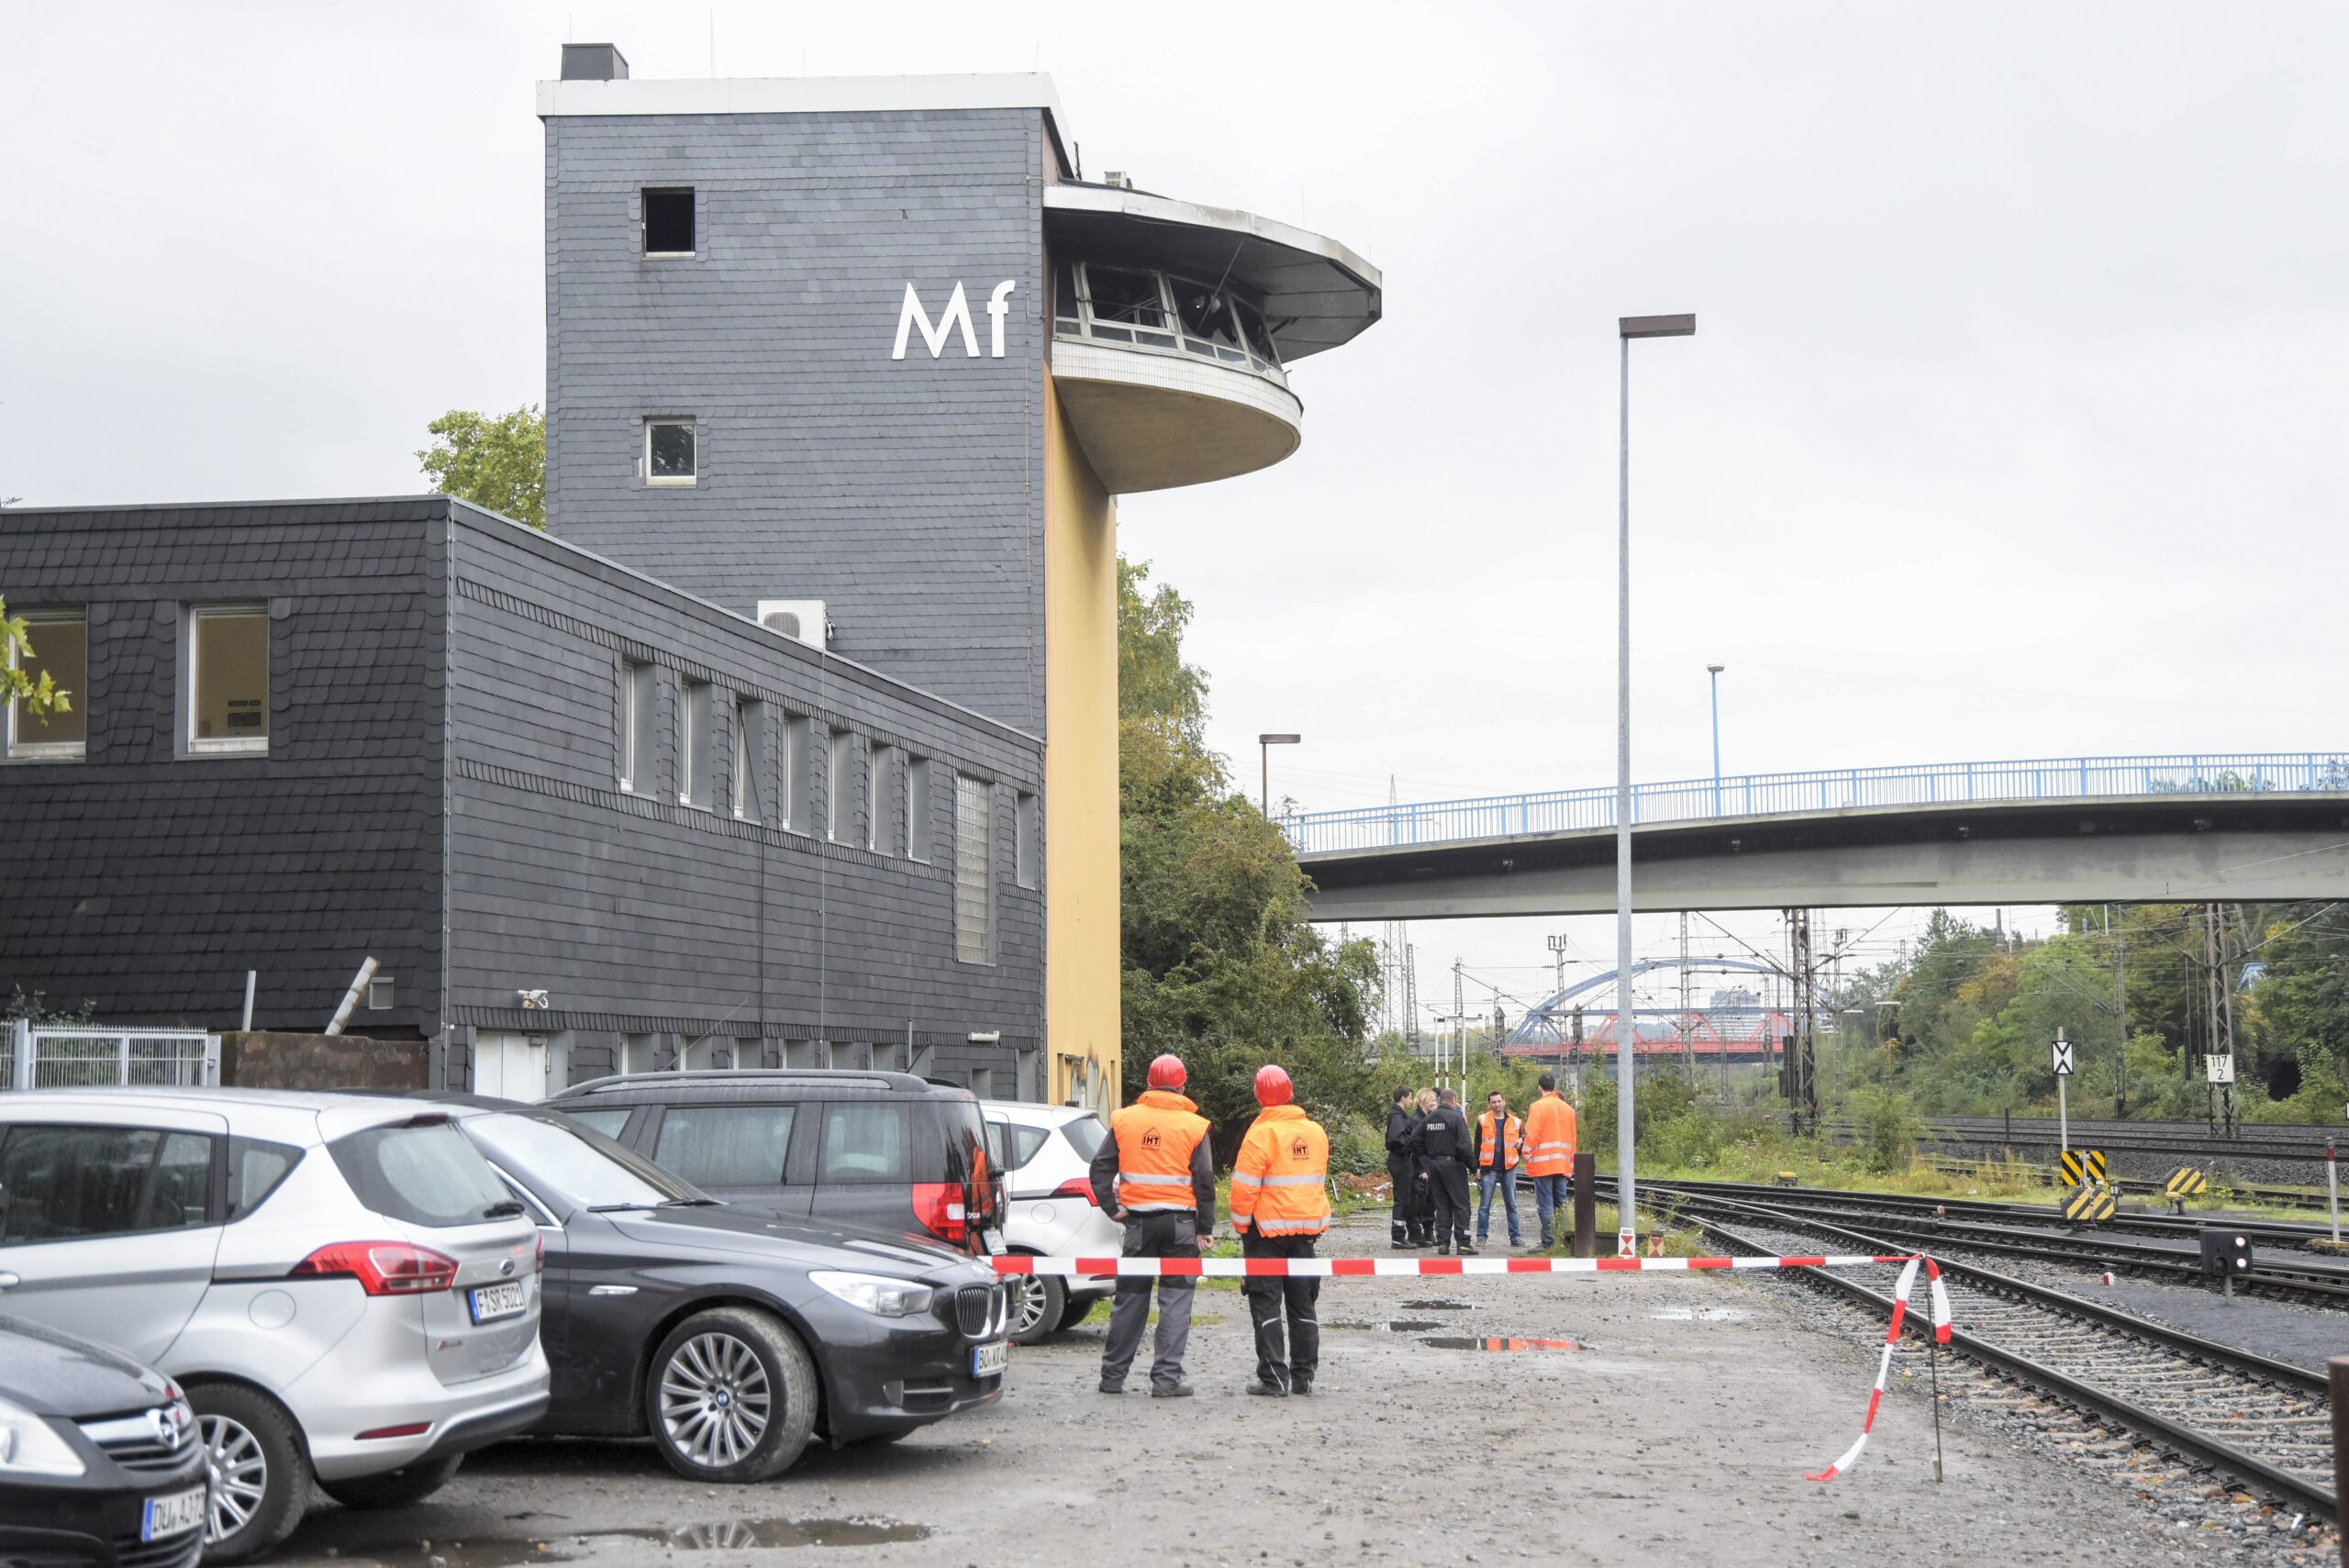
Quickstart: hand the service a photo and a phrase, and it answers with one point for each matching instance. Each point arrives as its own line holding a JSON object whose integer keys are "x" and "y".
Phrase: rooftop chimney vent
{"x": 1119, "y": 178}
{"x": 593, "y": 62}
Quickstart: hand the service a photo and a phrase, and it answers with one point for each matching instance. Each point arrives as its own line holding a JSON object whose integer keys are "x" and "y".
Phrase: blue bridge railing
{"x": 1823, "y": 789}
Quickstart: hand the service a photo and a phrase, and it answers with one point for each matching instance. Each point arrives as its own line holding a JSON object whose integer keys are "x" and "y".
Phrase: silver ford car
{"x": 340, "y": 1284}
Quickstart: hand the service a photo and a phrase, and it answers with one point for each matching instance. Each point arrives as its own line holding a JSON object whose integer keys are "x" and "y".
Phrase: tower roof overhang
{"x": 1317, "y": 293}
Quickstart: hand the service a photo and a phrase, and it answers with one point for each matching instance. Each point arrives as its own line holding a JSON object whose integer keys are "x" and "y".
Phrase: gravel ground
{"x": 1693, "y": 1403}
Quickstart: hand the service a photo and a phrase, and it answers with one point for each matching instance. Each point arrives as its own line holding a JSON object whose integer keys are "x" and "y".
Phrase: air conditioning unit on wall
{"x": 801, "y": 618}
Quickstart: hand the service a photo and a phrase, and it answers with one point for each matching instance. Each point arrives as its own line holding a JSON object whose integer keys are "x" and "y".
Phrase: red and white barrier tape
{"x": 1892, "y": 1337}
{"x": 1347, "y": 1268}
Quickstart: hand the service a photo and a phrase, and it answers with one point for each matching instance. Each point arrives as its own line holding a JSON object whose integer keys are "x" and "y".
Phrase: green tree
{"x": 39, "y": 697}
{"x": 1220, "y": 965}
{"x": 497, "y": 462}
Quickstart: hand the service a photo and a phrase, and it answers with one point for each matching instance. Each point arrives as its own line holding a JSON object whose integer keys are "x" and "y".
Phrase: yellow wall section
{"x": 1081, "y": 888}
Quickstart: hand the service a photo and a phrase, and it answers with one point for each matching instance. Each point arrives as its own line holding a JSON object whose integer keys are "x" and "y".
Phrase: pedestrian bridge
{"x": 2186, "y": 827}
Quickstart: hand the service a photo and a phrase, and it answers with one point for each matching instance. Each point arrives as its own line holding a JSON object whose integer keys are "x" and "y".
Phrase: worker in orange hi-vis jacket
{"x": 1550, "y": 1157}
{"x": 1280, "y": 1206}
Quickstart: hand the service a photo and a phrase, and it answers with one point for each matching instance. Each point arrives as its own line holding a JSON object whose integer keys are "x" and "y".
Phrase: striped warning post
{"x": 1350, "y": 1268}
{"x": 1901, "y": 1290}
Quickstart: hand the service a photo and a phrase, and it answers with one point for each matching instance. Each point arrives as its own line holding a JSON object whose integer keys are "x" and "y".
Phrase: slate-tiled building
{"x": 815, "y": 754}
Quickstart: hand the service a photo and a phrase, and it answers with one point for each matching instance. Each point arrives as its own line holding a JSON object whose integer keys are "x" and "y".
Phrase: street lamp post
{"x": 1264, "y": 744}
{"x": 1715, "y": 672}
{"x": 1627, "y": 1224}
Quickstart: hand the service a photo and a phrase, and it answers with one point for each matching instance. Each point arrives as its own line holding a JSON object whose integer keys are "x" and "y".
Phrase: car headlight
{"x": 877, "y": 1294}
{"x": 30, "y": 1446}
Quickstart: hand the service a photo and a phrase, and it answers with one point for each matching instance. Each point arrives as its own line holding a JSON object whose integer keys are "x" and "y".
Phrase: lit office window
{"x": 974, "y": 852}
{"x": 60, "y": 650}
{"x": 228, "y": 665}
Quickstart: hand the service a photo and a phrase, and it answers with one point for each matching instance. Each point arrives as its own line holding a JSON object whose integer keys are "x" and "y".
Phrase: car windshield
{"x": 584, "y": 1167}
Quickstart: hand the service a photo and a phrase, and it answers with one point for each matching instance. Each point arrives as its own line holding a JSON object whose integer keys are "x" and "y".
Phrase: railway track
{"x": 2182, "y": 1140}
{"x": 2142, "y": 1243}
{"x": 2263, "y": 1423}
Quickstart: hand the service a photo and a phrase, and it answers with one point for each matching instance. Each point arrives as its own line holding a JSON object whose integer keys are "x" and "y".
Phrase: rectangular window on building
{"x": 696, "y": 743}
{"x": 840, "y": 802}
{"x": 59, "y": 649}
{"x": 227, "y": 685}
{"x": 638, "y": 696}
{"x": 798, "y": 799}
{"x": 974, "y": 852}
{"x": 670, "y": 454}
{"x": 880, "y": 800}
{"x": 381, "y": 993}
{"x": 750, "y": 759}
{"x": 669, "y": 221}
{"x": 918, "y": 828}
{"x": 1028, "y": 841}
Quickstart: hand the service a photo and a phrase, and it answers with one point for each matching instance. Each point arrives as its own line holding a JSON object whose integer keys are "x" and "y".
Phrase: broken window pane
{"x": 1128, "y": 297}
{"x": 669, "y": 223}
{"x": 1207, "y": 316}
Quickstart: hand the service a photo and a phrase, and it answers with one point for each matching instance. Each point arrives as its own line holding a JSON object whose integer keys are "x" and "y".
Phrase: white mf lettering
{"x": 955, "y": 318}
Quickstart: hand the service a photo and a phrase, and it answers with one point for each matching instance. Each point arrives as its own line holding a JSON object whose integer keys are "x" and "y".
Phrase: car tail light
{"x": 381, "y": 1268}
{"x": 543, "y": 1252}
{"x": 1077, "y": 1187}
{"x": 939, "y": 1209}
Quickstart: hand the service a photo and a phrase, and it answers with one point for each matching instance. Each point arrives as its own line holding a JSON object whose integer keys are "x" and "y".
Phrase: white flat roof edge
{"x": 803, "y": 95}
{"x": 1172, "y": 209}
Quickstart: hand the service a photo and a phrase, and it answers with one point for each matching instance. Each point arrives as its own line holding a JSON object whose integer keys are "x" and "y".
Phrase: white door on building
{"x": 510, "y": 1065}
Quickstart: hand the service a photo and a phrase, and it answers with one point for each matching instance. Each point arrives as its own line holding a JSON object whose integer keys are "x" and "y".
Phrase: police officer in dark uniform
{"x": 1402, "y": 1169}
{"x": 1446, "y": 1145}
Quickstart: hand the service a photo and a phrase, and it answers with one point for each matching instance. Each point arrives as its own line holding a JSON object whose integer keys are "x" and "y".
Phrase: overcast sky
{"x": 2012, "y": 426}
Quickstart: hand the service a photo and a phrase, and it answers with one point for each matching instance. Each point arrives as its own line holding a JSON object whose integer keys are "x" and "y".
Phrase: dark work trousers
{"x": 1161, "y": 1233}
{"x": 1422, "y": 1212}
{"x": 1402, "y": 1223}
{"x": 1287, "y": 1360}
{"x": 1448, "y": 1181}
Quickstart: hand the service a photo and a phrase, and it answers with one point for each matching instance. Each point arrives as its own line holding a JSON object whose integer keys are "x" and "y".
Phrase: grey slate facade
{"x": 907, "y": 494}
{"x": 442, "y": 792}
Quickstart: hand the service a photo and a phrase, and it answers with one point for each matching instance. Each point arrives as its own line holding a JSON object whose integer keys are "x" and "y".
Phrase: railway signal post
{"x": 2063, "y": 1054}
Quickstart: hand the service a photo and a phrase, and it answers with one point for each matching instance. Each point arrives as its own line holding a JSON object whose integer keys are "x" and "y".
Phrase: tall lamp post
{"x": 1264, "y": 744}
{"x": 1715, "y": 672}
{"x": 1627, "y": 1223}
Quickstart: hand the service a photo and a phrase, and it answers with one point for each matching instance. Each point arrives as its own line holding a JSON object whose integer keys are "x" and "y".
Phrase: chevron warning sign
{"x": 2184, "y": 1183}
{"x": 2092, "y": 1203}
{"x": 2082, "y": 1165}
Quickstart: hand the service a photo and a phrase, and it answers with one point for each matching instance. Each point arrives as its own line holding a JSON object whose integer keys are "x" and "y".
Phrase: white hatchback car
{"x": 341, "y": 1283}
{"x": 1049, "y": 1209}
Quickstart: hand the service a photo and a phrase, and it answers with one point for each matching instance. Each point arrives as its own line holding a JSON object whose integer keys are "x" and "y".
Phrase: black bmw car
{"x": 731, "y": 1335}
{"x": 99, "y": 1460}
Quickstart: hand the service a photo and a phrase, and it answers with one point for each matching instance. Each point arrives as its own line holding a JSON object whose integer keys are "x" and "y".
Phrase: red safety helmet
{"x": 1166, "y": 1073}
{"x": 1272, "y": 1088}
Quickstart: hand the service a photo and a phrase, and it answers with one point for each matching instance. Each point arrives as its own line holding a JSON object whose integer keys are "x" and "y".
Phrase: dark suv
{"x": 886, "y": 1149}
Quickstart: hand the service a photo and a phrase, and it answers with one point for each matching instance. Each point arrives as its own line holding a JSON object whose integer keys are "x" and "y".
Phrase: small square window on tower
{"x": 669, "y": 222}
{"x": 670, "y": 452}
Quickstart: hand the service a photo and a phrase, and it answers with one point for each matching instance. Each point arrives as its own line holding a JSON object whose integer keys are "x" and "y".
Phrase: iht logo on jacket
{"x": 1149, "y": 1138}
{"x": 1299, "y": 1147}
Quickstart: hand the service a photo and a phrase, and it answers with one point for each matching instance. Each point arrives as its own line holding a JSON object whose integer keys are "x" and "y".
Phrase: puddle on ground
{"x": 1461, "y": 1343}
{"x": 1412, "y": 1325}
{"x": 362, "y": 1537}
{"x": 1436, "y": 1306}
{"x": 1701, "y": 1315}
{"x": 1349, "y": 1325}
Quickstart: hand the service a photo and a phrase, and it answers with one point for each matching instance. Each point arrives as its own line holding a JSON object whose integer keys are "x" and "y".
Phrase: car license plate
{"x": 993, "y": 1242}
{"x": 988, "y": 1361}
{"x": 174, "y": 1515}
{"x": 491, "y": 1302}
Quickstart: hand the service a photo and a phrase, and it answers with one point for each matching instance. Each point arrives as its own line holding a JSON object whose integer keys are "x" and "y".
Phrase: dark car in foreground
{"x": 729, "y": 1335}
{"x": 886, "y": 1149}
{"x": 99, "y": 1460}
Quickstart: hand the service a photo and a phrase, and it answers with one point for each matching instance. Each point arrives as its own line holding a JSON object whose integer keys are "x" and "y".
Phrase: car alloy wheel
{"x": 714, "y": 1400}
{"x": 240, "y": 1475}
{"x": 1037, "y": 1303}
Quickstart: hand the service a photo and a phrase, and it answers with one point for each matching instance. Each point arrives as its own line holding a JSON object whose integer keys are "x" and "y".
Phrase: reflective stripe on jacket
{"x": 1156, "y": 1136}
{"x": 1280, "y": 1183}
{"x": 1512, "y": 1141}
{"x": 1549, "y": 1135}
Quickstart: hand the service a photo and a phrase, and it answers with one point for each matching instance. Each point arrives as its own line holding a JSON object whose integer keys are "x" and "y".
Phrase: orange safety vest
{"x": 1280, "y": 1183}
{"x": 1512, "y": 1140}
{"x": 1549, "y": 1135}
{"x": 1156, "y": 1137}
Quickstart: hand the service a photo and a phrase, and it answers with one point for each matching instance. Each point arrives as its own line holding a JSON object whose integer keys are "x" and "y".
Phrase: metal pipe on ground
{"x": 1586, "y": 1182}
{"x": 350, "y": 997}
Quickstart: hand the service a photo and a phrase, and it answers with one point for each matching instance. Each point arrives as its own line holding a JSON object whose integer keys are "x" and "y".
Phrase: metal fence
{"x": 82, "y": 1056}
{"x": 1825, "y": 789}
